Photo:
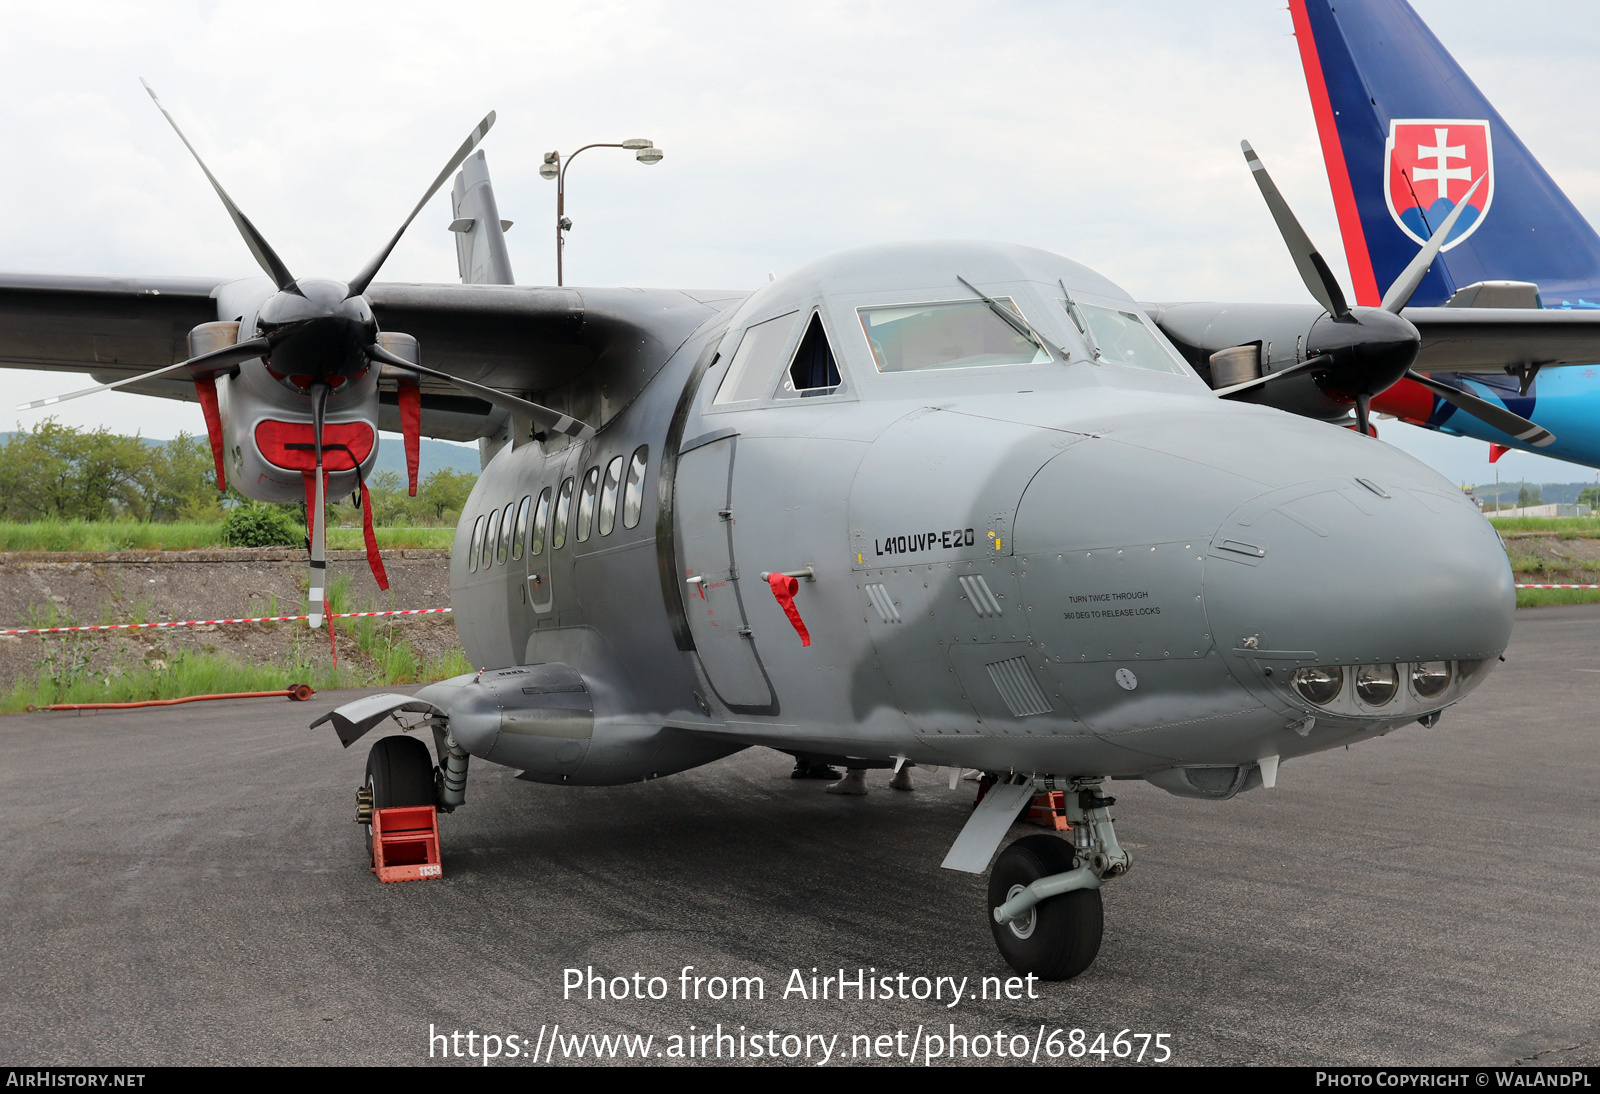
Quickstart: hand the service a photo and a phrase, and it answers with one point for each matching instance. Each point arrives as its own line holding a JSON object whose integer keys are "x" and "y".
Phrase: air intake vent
{"x": 1014, "y": 680}
{"x": 982, "y": 600}
{"x": 884, "y": 603}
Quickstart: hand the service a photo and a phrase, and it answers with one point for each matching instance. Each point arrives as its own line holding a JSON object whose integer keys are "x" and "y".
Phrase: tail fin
{"x": 1404, "y": 134}
{"x": 480, "y": 233}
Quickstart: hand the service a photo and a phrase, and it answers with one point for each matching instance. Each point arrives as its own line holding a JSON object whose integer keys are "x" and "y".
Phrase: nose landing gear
{"x": 1044, "y": 893}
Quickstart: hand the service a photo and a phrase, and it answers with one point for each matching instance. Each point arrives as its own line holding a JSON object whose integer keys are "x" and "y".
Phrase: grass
{"x": 1544, "y": 598}
{"x": 64, "y": 676}
{"x": 81, "y": 535}
{"x": 1563, "y": 527}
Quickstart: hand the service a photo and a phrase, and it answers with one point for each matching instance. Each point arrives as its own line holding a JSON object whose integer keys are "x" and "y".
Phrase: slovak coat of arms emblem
{"x": 1430, "y": 164}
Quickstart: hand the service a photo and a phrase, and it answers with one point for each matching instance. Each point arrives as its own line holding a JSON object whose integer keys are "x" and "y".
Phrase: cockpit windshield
{"x": 964, "y": 334}
{"x": 1123, "y": 339}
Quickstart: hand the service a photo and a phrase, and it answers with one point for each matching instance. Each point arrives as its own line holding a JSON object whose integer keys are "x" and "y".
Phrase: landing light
{"x": 1319, "y": 685}
{"x": 1430, "y": 678}
{"x": 1376, "y": 684}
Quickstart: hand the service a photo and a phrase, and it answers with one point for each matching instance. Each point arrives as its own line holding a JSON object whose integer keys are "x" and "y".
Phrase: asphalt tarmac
{"x": 185, "y": 885}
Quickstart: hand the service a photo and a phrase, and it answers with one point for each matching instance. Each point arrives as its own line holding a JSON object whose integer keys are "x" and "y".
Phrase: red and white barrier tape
{"x": 212, "y": 622}
{"x": 1558, "y": 586}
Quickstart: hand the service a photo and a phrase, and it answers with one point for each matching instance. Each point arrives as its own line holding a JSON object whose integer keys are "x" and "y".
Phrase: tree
{"x": 445, "y": 493}
{"x": 1527, "y": 496}
{"x": 1591, "y": 498}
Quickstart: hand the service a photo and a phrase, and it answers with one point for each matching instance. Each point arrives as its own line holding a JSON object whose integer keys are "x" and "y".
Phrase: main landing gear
{"x": 1044, "y": 892}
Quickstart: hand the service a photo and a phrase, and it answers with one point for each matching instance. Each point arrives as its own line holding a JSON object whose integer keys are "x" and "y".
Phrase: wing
{"x": 526, "y": 340}
{"x": 1497, "y": 339}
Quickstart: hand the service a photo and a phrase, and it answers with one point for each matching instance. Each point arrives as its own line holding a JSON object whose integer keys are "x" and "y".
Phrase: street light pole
{"x": 555, "y": 167}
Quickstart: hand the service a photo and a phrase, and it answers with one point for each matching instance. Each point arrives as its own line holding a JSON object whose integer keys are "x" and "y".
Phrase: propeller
{"x": 313, "y": 335}
{"x": 1362, "y": 351}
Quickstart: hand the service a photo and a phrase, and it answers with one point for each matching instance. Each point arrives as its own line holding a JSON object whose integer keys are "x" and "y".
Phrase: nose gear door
{"x": 712, "y": 595}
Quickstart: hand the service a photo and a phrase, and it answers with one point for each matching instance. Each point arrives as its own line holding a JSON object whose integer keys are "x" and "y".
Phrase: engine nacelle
{"x": 265, "y": 426}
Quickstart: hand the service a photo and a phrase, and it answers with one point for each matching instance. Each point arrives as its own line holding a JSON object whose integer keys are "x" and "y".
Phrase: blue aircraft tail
{"x": 1405, "y": 134}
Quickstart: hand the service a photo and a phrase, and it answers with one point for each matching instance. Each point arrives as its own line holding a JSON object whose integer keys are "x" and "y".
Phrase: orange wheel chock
{"x": 405, "y": 843}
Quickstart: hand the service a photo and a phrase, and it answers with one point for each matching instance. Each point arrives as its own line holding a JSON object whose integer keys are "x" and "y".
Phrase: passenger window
{"x": 914, "y": 337}
{"x": 558, "y": 530}
{"x": 475, "y": 546}
{"x": 591, "y": 482}
{"x": 522, "y": 528}
{"x": 754, "y": 362}
{"x": 539, "y": 516}
{"x": 490, "y": 535}
{"x": 633, "y": 496}
{"x": 608, "y": 496}
{"x": 814, "y": 371}
{"x": 503, "y": 551}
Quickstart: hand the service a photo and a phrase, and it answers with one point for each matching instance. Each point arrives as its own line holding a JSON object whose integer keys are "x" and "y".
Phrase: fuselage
{"x": 1014, "y": 562}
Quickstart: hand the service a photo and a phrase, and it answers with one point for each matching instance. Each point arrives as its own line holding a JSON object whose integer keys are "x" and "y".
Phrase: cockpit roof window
{"x": 958, "y": 334}
{"x": 1123, "y": 339}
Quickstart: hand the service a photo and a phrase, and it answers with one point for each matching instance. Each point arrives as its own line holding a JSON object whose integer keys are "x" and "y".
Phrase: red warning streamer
{"x": 206, "y": 388}
{"x": 411, "y": 427}
{"x": 783, "y": 590}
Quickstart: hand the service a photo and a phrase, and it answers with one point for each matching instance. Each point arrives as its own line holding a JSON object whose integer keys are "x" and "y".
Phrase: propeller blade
{"x": 553, "y": 420}
{"x": 207, "y": 364}
{"x": 1487, "y": 412}
{"x": 359, "y": 283}
{"x": 316, "y": 585}
{"x": 1364, "y": 414}
{"x": 1314, "y": 271}
{"x": 1308, "y": 365}
{"x": 1399, "y": 294}
{"x": 264, "y": 254}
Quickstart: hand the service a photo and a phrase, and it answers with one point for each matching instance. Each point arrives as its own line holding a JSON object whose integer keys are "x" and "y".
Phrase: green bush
{"x": 253, "y": 525}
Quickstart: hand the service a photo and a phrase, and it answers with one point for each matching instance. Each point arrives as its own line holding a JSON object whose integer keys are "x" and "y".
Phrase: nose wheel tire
{"x": 399, "y": 772}
{"x": 1059, "y": 937}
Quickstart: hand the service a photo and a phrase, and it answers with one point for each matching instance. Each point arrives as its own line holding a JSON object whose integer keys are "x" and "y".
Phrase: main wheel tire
{"x": 1061, "y": 936}
{"x": 399, "y": 772}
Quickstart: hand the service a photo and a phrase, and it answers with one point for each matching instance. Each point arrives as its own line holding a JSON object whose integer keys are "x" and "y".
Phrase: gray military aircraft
{"x": 956, "y": 505}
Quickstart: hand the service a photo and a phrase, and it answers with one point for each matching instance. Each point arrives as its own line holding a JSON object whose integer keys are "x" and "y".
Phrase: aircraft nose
{"x": 1274, "y": 543}
{"x": 1359, "y": 571}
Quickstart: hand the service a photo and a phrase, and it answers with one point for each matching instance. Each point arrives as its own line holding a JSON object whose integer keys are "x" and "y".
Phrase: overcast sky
{"x": 1105, "y": 132}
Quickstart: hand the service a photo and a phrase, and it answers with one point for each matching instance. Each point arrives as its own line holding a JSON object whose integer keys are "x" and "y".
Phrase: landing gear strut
{"x": 1044, "y": 893}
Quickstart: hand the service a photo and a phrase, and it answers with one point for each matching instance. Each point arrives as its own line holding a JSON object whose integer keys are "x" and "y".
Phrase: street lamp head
{"x": 548, "y": 170}
{"x": 636, "y": 143}
{"x": 649, "y": 155}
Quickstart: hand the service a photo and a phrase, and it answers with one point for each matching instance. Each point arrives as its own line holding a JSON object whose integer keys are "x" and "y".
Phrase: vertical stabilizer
{"x": 480, "y": 233}
{"x": 1405, "y": 134}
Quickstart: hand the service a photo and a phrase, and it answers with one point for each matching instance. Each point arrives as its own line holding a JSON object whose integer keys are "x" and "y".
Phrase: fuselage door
{"x": 712, "y": 597}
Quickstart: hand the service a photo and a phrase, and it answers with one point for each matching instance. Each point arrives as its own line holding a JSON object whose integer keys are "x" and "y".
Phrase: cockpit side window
{"x": 814, "y": 370}
{"x": 960, "y": 334}
{"x": 1123, "y": 339}
{"x": 755, "y": 360}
